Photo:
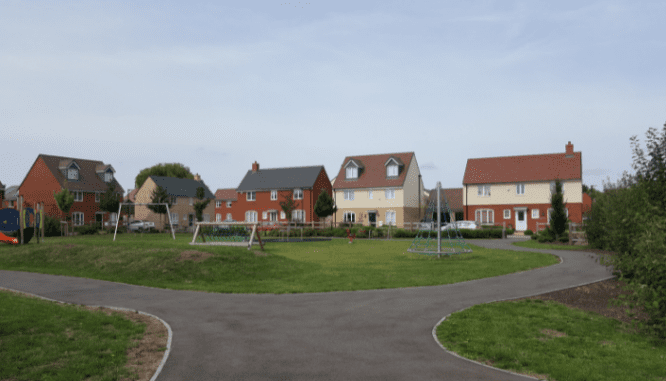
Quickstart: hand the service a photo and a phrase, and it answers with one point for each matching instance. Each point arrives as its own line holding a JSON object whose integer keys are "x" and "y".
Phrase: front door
{"x": 521, "y": 220}
{"x": 98, "y": 220}
{"x": 191, "y": 219}
{"x": 372, "y": 218}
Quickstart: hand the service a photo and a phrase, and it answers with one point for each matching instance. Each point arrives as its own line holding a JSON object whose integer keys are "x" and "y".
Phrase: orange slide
{"x": 9, "y": 240}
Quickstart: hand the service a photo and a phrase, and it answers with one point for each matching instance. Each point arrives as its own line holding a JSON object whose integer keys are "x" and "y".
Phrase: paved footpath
{"x": 356, "y": 335}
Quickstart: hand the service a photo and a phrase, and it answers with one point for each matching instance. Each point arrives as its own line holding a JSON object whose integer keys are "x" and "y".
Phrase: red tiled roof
{"x": 510, "y": 169}
{"x": 453, "y": 196}
{"x": 226, "y": 194}
{"x": 132, "y": 195}
{"x": 373, "y": 173}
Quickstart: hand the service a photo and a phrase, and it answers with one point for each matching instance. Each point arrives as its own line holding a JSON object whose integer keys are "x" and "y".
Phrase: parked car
{"x": 140, "y": 225}
{"x": 461, "y": 225}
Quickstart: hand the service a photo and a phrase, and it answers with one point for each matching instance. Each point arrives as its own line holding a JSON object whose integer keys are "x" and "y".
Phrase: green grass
{"x": 43, "y": 340}
{"x": 594, "y": 348}
{"x": 533, "y": 244}
{"x": 151, "y": 260}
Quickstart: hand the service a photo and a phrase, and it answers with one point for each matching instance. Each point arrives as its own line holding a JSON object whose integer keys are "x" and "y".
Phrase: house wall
{"x": 362, "y": 215}
{"x": 182, "y": 207}
{"x": 144, "y": 196}
{"x": 575, "y": 213}
{"x": 322, "y": 183}
{"x": 535, "y": 193}
{"x": 223, "y": 210}
{"x": 263, "y": 203}
{"x": 411, "y": 186}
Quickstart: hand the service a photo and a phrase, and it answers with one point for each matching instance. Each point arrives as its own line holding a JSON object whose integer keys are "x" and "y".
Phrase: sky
{"x": 217, "y": 85}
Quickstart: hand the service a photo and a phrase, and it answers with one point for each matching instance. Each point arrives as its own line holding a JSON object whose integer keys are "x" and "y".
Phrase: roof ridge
{"x": 271, "y": 169}
{"x": 380, "y": 154}
{"x": 534, "y": 154}
{"x": 70, "y": 158}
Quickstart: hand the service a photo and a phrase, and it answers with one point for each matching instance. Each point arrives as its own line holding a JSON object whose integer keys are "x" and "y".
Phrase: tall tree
{"x": 163, "y": 169}
{"x": 65, "y": 200}
{"x": 651, "y": 173}
{"x": 558, "y": 217}
{"x": 288, "y": 205}
{"x": 201, "y": 204}
{"x": 324, "y": 206}
{"x": 109, "y": 200}
{"x": 160, "y": 195}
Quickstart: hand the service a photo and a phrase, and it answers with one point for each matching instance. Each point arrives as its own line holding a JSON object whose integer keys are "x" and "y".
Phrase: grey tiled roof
{"x": 10, "y": 193}
{"x": 182, "y": 187}
{"x": 280, "y": 178}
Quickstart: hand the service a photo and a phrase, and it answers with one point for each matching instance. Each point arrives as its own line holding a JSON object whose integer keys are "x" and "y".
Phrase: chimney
{"x": 197, "y": 177}
{"x": 255, "y": 167}
{"x": 569, "y": 148}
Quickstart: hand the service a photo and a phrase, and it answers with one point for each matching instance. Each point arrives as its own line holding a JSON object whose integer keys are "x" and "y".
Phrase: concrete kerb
{"x": 168, "y": 348}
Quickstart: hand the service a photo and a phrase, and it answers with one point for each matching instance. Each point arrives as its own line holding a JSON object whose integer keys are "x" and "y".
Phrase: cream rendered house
{"x": 183, "y": 193}
{"x": 379, "y": 189}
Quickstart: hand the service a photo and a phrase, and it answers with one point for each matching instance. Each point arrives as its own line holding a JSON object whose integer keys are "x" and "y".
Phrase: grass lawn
{"x": 44, "y": 340}
{"x": 158, "y": 261}
{"x": 548, "y": 339}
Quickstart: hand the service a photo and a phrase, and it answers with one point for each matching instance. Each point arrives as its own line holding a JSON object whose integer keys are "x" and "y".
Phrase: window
{"x": 485, "y": 216}
{"x": 97, "y": 197}
{"x": 78, "y": 196}
{"x": 352, "y": 173}
{"x": 552, "y": 187}
{"x": 10, "y": 204}
{"x": 484, "y": 190}
{"x": 218, "y": 204}
{"x": 535, "y": 213}
{"x": 392, "y": 171}
{"x": 298, "y": 215}
{"x": 228, "y": 204}
{"x": 264, "y": 216}
{"x": 250, "y": 196}
{"x": 507, "y": 214}
{"x": 174, "y": 218}
{"x": 282, "y": 215}
{"x": 520, "y": 189}
{"x": 108, "y": 177}
{"x": 72, "y": 174}
{"x": 251, "y": 216}
{"x": 78, "y": 218}
{"x": 229, "y": 217}
{"x": 174, "y": 200}
{"x": 113, "y": 217}
{"x": 298, "y": 194}
{"x": 191, "y": 201}
{"x": 390, "y": 218}
{"x": 349, "y": 195}
{"x": 218, "y": 217}
{"x": 390, "y": 194}
{"x": 273, "y": 195}
{"x": 370, "y": 195}
{"x": 349, "y": 217}
{"x": 206, "y": 218}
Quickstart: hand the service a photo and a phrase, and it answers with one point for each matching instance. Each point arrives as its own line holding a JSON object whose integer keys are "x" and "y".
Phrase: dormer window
{"x": 108, "y": 176}
{"x": 352, "y": 173}
{"x": 392, "y": 171}
{"x": 72, "y": 173}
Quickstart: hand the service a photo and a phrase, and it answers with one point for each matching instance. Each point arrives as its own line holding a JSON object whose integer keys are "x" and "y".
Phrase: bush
{"x": 86, "y": 230}
{"x": 528, "y": 232}
{"x": 564, "y": 238}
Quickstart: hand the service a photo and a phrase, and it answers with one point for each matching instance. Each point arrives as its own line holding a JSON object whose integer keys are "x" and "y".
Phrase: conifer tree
{"x": 558, "y": 216}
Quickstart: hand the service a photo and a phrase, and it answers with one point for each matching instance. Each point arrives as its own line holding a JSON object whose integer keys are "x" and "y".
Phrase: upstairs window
{"x": 392, "y": 170}
{"x": 349, "y": 195}
{"x": 108, "y": 176}
{"x": 370, "y": 195}
{"x": 273, "y": 195}
{"x": 520, "y": 189}
{"x": 298, "y": 194}
{"x": 78, "y": 196}
{"x": 390, "y": 194}
{"x": 484, "y": 190}
{"x": 352, "y": 173}
{"x": 72, "y": 174}
{"x": 228, "y": 204}
{"x": 250, "y": 197}
{"x": 218, "y": 204}
{"x": 97, "y": 197}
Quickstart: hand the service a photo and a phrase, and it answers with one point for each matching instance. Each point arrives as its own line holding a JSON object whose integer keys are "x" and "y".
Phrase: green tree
{"x": 651, "y": 173}
{"x": 163, "y": 169}
{"x": 160, "y": 195}
{"x": 558, "y": 216}
{"x": 109, "y": 200}
{"x": 288, "y": 206}
{"x": 65, "y": 200}
{"x": 201, "y": 204}
{"x": 324, "y": 206}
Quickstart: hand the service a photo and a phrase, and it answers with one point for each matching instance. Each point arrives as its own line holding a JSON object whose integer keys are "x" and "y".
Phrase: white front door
{"x": 521, "y": 220}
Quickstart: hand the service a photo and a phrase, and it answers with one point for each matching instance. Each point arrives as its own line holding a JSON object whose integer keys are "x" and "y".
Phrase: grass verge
{"x": 533, "y": 244}
{"x": 158, "y": 261}
{"x": 549, "y": 340}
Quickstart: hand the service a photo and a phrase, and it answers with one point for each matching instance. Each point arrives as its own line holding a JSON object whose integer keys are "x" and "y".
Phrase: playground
{"x": 25, "y": 221}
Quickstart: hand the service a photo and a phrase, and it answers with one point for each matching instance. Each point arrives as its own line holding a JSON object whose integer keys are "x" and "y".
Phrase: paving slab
{"x": 351, "y": 335}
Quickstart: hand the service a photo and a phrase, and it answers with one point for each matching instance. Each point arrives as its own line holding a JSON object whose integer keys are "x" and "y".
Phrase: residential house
{"x": 516, "y": 190}
{"x": 224, "y": 204}
{"x": 184, "y": 195}
{"x": 379, "y": 189}
{"x": 454, "y": 197}
{"x": 86, "y": 179}
{"x": 10, "y": 198}
{"x": 262, "y": 190}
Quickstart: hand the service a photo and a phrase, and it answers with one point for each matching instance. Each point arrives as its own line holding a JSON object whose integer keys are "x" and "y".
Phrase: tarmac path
{"x": 352, "y": 335}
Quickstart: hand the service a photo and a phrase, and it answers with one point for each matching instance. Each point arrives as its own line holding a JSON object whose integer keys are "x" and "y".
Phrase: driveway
{"x": 352, "y": 335}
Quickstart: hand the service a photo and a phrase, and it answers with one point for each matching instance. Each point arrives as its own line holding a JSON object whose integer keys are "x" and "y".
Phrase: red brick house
{"x": 454, "y": 198}
{"x": 86, "y": 179}
{"x": 516, "y": 190}
{"x": 10, "y": 198}
{"x": 224, "y": 205}
{"x": 262, "y": 190}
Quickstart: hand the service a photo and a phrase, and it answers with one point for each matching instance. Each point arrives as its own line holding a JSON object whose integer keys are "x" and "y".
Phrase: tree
{"x": 166, "y": 169}
{"x": 591, "y": 191}
{"x": 288, "y": 205}
{"x": 201, "y": 204}
{"x": 558, "y": 217}
{"x": 109, "y": 200}
{"x": 160, "y": 195}
{"x": 652, "y": 173}
{"x": 324, "y": 206}
{"x": 65, "y": 200}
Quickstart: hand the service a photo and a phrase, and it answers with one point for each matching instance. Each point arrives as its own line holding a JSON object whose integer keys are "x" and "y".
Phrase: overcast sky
{"x": 216, "y": 87}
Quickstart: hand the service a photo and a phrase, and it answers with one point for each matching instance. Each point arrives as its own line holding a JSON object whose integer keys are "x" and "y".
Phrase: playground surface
{"x": 383, "y": 334}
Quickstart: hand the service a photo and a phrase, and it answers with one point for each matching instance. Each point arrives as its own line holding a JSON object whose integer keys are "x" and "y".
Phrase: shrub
{"x": 564, "y": 238}
{"x": 528, "y": 232}
{"x": 86, "y": 230}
